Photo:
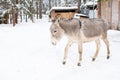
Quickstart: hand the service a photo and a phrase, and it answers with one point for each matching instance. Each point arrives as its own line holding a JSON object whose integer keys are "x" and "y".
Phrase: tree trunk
{"x": 21, "y": 16}
{"x": 40, "y": 10}
{"x": 16, "y": 11}
{"x": 79, "y": 3}
{"x": 49, "y": 4}
{"x": 13, "y": 16}
{"x": 37, "y": 9}
{"x": 31, "y": 10}
{"x": 26, "y": 18}
{"x": 21, "y": 11}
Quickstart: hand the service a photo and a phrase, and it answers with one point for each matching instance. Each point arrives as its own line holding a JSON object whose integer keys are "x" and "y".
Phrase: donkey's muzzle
{"x": 53, "y": 43}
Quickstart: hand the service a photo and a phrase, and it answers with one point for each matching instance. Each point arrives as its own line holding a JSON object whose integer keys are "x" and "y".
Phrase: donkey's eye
{"x": 55, "y": 31}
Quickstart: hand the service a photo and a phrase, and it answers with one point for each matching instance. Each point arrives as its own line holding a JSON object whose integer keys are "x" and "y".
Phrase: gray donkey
{"x": 80, "y": 32}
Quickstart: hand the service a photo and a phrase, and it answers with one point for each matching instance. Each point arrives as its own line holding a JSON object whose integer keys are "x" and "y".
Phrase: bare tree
{"x": 79, "y": 3}
{"x": 21, "y": 2}
{"x": 49, "y": 4}
{"x": 31, "y": 10}
{"x": 40, "y": 9}
{"x": 37, "y": 9}
{"x": 13, "y": 15}
{"x": 14, "y": 12}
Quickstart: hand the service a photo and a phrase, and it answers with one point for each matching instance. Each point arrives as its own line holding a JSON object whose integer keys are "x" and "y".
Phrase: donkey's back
{"x": 94, "y": 27}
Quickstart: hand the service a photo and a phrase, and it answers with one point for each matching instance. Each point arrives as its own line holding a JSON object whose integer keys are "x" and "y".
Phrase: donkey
{"x": 80, "y": 32}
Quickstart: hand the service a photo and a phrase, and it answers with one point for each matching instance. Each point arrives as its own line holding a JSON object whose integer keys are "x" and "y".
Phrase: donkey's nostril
{"x": 53, "y": 43}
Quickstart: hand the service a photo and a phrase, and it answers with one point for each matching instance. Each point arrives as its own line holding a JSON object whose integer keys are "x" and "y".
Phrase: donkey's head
{"x": 56, "y": 32}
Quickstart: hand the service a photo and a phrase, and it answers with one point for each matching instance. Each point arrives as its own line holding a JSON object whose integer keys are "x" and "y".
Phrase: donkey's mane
{"x": 69, "y": 20}
{"x": 70, "y": 25}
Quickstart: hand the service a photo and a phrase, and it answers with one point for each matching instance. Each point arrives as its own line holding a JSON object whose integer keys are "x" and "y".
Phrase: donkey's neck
{"x": 70, "y": 26}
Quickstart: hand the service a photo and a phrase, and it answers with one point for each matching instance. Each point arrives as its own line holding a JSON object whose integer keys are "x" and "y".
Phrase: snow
{"x": 89, "y": 3}
{"x": 77, "y": 15}
{"x": 63, "y": 8}
{"x": 26, "y": 53}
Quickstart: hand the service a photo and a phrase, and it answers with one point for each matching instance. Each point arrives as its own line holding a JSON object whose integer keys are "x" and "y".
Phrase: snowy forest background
{"x": 26, "y": 52}
{"x": 30, "y": 9}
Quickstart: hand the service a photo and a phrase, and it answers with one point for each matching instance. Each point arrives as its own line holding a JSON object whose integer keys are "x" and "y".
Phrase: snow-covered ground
{"x": 26, "y": 53}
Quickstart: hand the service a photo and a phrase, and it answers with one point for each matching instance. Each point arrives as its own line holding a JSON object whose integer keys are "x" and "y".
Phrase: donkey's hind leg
{"x": 80, "y": 52}
{"x": 66, "y": 51}
{"x": 104, "y": 37}
{"x": 107, "y": 45}
{"x": 97, "y": 49}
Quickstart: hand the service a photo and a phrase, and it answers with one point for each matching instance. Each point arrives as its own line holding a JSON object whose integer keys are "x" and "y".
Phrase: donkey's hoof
{"x": 93, "y": 59}
{"x": 108, "y": 57}
{"x": 78, "y": 64}
{"x": 64, "y": 62}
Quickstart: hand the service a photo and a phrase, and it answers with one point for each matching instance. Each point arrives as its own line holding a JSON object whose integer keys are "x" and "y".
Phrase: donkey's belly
{"x": 88, "y": 39}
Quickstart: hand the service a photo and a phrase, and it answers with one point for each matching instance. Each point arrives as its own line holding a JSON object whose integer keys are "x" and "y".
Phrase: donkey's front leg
{"x": 80, "y": 52}
{"x": 66, "y": 51}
